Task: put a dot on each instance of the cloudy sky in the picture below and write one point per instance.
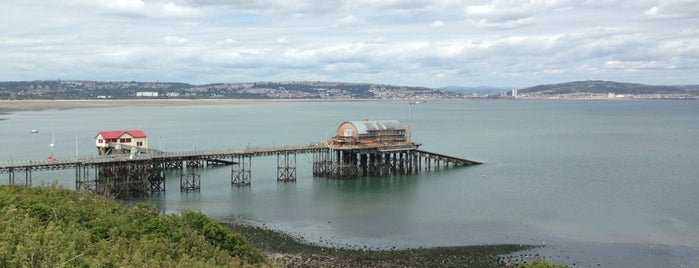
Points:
(410, 42)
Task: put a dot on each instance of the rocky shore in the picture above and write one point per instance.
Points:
(290, 252)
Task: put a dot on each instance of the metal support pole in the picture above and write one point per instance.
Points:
(286, 166)
(28, 176)
(11, 173)
(190, 182)
(241, 173)
(156, 176)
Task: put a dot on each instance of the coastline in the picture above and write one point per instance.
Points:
(23, 105)
(77, 104)
(291, 252)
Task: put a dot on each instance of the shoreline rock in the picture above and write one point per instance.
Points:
(290, 252)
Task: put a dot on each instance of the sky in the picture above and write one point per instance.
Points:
(411, 42)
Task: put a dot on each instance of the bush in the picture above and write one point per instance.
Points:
(53, 227)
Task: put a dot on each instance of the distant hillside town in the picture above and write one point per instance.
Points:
(606, 90)
(76, 89)
(71, 89)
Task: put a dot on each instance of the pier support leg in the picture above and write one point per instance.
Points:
(321, 163)
(28, 176)
(83, 180)
(386, 165)
(156, 177)
(123, 179)
(240, 173)
(11, 179)
(286, 167)
(190, 181)
(416, 162)
(363, 163)
(190, 178)
(374, 165)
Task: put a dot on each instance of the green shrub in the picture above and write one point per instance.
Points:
(53, 227)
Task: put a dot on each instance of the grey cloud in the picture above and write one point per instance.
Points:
(202, 41)
(676, 9)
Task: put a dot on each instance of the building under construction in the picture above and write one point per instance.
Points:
(368, 148)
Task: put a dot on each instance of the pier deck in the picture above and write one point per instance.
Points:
(124, 176)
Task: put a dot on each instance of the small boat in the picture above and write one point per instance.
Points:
(34, 131)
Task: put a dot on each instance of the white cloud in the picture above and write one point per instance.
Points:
(631, 65)
(437, 23)
(344, 67)
(174, 40)
(480, 10)
(674, 9)
(175, 10)
(653, 11)
(227, 41)
(126, 4)
(507, 24)
(281, 40)
(119, 7)
(511, 14)
(349, 20)
(388, 41)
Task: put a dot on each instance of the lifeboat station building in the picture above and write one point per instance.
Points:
(372, 133)
(116, 141)
(368, 148)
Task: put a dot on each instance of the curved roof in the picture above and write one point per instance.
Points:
(363, 127)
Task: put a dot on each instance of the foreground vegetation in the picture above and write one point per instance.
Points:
(52, 227)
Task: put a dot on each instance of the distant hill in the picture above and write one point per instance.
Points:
(73, 89)
(77, 89)
(480, 90)
(603, 87)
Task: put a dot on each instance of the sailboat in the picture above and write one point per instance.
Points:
(52, 145)
(53, 141)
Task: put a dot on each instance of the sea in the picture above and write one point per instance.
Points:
(593, 182)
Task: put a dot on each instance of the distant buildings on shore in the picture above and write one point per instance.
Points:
(69, 89)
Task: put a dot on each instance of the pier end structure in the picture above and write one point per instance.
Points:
(368, 148)
(377, 148)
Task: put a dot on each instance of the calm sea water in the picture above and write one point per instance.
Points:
(614, 183)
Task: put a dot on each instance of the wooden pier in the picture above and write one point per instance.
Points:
(357, 151)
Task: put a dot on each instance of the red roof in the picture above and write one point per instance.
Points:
(118, 133)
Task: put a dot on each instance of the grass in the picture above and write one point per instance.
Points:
(54, 227)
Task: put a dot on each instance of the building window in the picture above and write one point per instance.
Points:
(125, 140)
(100, 141)
(139, 143)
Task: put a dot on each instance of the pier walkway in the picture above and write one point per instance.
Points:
(123, 175)
(66, 163)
